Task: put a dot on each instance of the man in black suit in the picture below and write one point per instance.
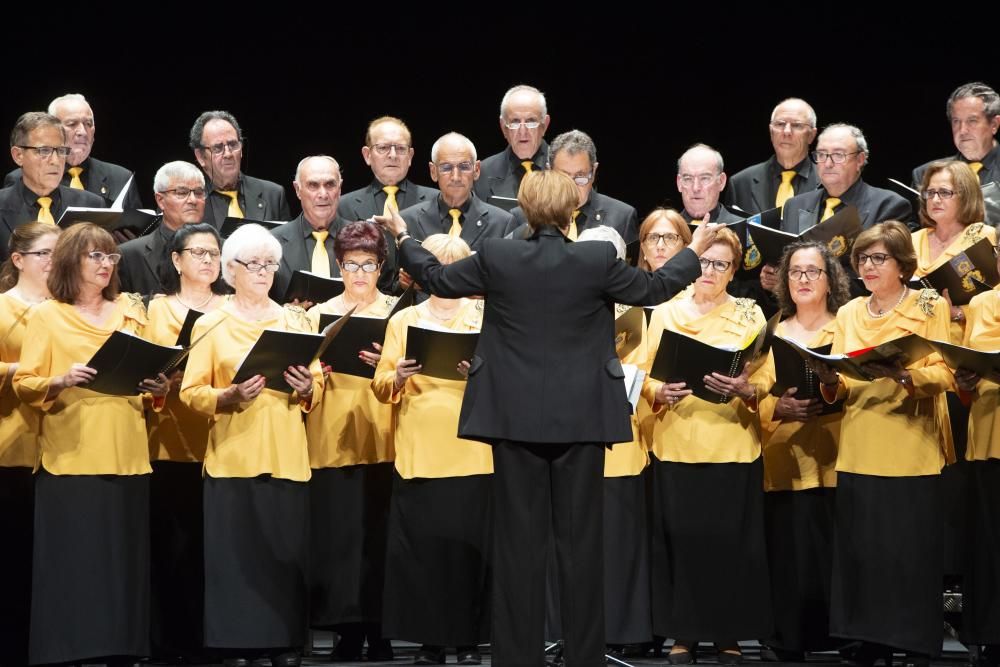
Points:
(523, 122)
(179, 190)
(701, 178)
(788, 172)
(84, 172)
(974, 113)
(545, 389)
(574, 154)
(38, 146)
(217, 142)
(307, 241)
(388, 150)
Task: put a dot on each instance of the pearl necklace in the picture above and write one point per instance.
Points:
(883, 313)
(441, 318)
(199, 306)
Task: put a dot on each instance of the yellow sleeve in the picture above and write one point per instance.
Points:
(764, 380)
(34, 373)
(384, 382)
(197, 389)
(933, 376)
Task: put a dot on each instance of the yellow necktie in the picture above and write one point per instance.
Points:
(234, 204)
(571, 232)
(44, 212)
(785, 190)
(390, 198)
(528, 166)
(976, 166)
(321, 258)
(456, 226)
(831, 203)
(75, 182)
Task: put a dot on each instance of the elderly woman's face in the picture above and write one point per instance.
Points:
(717, 268)
(97, 267)
(198, 261)
(878, 269)
(254, 273)
(360, 271)
(942, 209)
(661, 243)
(808, 283)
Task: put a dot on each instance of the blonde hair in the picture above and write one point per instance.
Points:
(446, 248)
(548, 198)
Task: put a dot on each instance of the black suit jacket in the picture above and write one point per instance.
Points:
(482, 221)
(545, 368)
(141, 262)
(101, 178)
(259, 199)
(989, 172)
(14, 211)
(296, 251)
(874, 205)
(755, 188)
(599, 210)
(501, 174)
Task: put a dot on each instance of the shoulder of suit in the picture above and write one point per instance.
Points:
(72, 197)
(607, 202)
(749, 172)
(494, 163)
(426, 192)
(495, 212)
(260, 184)
(113, 170)
(136, 245)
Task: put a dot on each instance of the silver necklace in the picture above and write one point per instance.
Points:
(200, 305)
(883, 313)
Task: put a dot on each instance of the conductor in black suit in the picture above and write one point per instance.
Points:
(545, 389)
(574, 154)
(785, 174)
(38, 146)
(307, 241)
(217, 141)
(179, 190)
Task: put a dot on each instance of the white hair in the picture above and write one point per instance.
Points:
(604, 233)
(246, 241)
(811, 114)
(452, 135)
(298, 168)
(854, 131)
(178, 170)
(68, 97)
(505, 102)
(716, 154)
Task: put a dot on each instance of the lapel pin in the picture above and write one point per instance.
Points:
(104, 189)
(260, 204)
(479, 223)
(598, 217)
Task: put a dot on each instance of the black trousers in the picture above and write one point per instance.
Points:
(538, 487)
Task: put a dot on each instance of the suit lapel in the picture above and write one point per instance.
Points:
(475, 222)
(759, 195)
(808, 217)
(153, 255)
(255, 203)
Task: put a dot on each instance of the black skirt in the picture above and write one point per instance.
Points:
(799, 528)
(955, 484)
(709, 565)
(177, 571)
(90, 576)
(350, 516)
(887, 564)
(17, 503)
(437, 578)
(981, 593)
(256, 562)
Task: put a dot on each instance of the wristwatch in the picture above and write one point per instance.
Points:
(403, 235)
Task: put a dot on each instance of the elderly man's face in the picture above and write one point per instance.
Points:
(700, 182)
(318, 189)
(578, 167)
(390, 153)
(78, 119)
(791, 133)
(972, 131)
(41, 175)
(524, 107)
(834, 144)
(221, 155)
(182, 202)
(454, 172)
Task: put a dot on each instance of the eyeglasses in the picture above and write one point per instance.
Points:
(779, 126)
(184, 193)
(812, 273)
(385, 149)
(516, 125)
(98, 257)
(463, 167)
(201, 253)
(218, 149)
(838, 158)
(352, 267)
(719, 265)
(942, 193)
(669, 239)
(704, 180)
(256, 267)
(40, 254)
(877, 258)
(581, 179)
(46, 151)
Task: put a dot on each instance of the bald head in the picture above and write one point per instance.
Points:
(700, 179)
(454, 168)
(793, 129)
(317, 185)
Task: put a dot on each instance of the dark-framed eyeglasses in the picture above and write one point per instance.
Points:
(877, 258)
(943, 193)
(46, 151)
(810, 274)
(201, 253)
(718, 265)
(218, 149)
(184, 193)
(838, 157)
(352, 267)
(669, 239)
(257, 267)
(40, 254)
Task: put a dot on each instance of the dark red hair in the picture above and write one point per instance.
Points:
(361, 237)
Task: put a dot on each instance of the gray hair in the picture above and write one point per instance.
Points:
(248, 239)
(30, 121)
(811, 113)
(178, 170)
(68, 97)
(715, 153)
(573, 142)
(452, 135)
(856, 134)
(991, 100)
(505, 102)
(298, 167)
(604, 233)
(198, 129)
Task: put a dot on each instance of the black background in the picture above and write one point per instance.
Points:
(645, 83)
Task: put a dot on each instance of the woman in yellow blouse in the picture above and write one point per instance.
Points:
(22, 283)
(178, 437)
(256, 501)
(710, 576)
(437, 576)
(90, 574)
(800, 456)
(894, 441)
(351, 453)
